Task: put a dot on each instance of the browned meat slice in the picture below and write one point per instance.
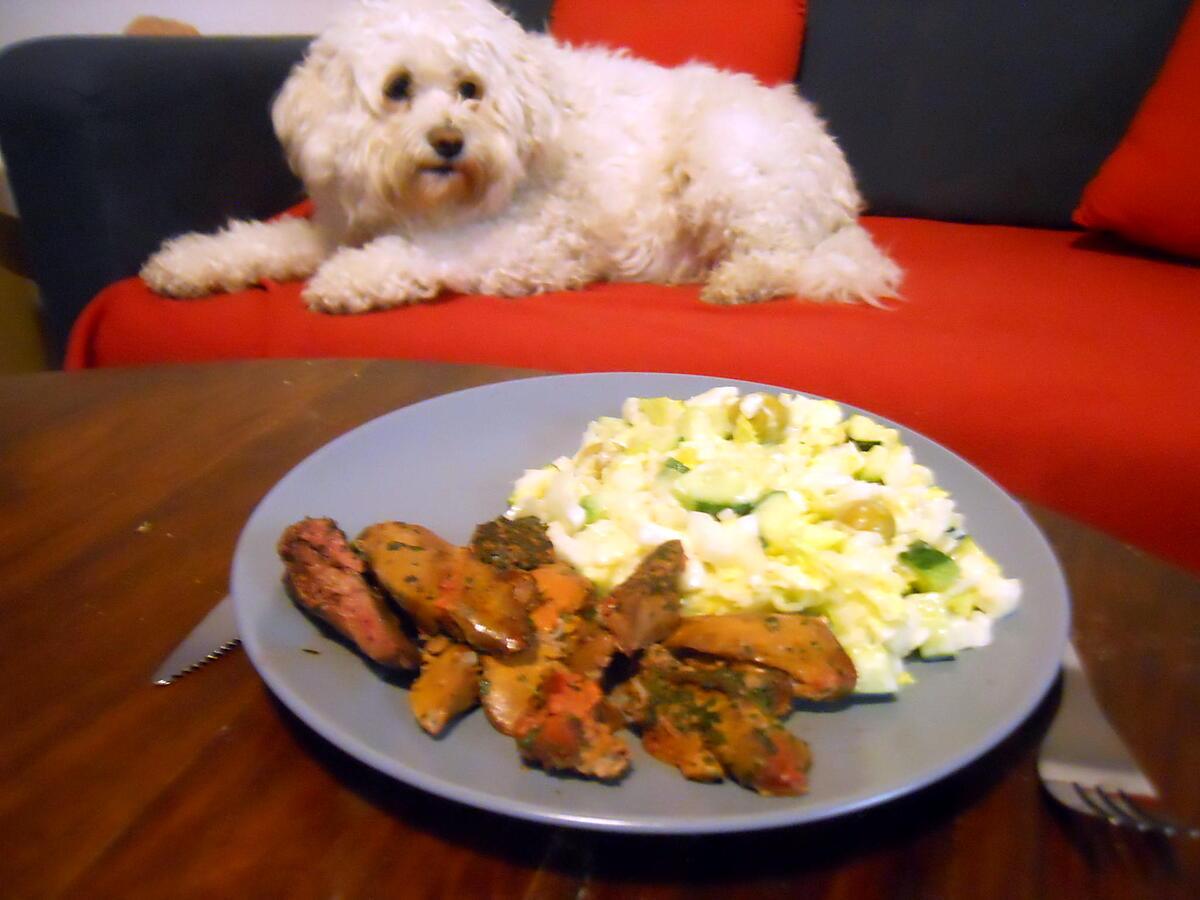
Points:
(801, 646)
(568, 729)
(754, 748)
(410, 563)
(513, 543)
(769, 689)
(511, 682)
(448, 684)
(509, 685)
(562, 590)
(644, 608)
(568, 613)
(490, 608)
(705, 733)
(631, 698)
(678, 729)
(447, 590)
(684, 750)
(589, 647)
(710, 719)
(325, 577)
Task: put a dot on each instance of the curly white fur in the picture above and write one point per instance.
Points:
(575, 165)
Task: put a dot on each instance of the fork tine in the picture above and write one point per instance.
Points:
(1164, 823)
(1131, 812)
(1111, 814)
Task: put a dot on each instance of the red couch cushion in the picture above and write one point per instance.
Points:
(1148, 190)
(1062, 367)
(764, 38)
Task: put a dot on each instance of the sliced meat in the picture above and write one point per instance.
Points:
(562, 590)
(410, 562)
(705, 732)
(568, 613)
(513, 543)
(801, 646)
(588, 647)
(490, 608)
(675, 733)
(448, 684)
(754, 748)
(631, 699)
(508, 687)
(447, 590)
(770, 689)
(510, 682)
(710, 719)
(644, 608)
(568, 729)
(324, 576)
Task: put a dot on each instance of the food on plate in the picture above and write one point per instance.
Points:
(564, 669)
(512, 543)
(447, 589)
(644, 608)
(708, 720)
(564, 728)
(325, 577)
(800, 646)
(781, 504)
(448, 684)
(408, 562)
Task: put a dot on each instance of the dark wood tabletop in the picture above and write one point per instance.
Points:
(123, 493)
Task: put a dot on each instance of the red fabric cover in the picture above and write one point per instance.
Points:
(1065, 370)
(1148, 190)
(764, 38)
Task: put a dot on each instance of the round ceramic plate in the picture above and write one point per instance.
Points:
(450, 462)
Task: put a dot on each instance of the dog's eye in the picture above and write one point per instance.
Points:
(469, 90)
(398, 87)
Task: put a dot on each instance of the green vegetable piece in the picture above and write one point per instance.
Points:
(706, 506)
(675, 465)
(592, 509)
(932, 570)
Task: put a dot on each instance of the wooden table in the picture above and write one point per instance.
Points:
(123, 493)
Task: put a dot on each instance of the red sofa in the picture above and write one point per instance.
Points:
(1061, 364)
(1058, 359)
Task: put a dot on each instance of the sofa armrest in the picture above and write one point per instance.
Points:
(114, 143)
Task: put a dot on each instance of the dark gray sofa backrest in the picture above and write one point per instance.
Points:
(948, 109)
(995, 111)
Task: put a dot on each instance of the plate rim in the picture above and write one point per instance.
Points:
(644, 824)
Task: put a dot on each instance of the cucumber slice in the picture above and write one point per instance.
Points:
(932, 570)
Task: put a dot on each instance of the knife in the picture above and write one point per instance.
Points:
(215, 636)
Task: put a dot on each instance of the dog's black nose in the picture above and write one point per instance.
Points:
(448, 149)
(447, 142)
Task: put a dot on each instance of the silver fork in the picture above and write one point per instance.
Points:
(1084, 764)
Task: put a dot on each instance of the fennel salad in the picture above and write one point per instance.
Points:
(782, 503)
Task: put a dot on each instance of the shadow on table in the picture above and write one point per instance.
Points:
(782, 852)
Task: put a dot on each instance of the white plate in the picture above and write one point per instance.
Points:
(450, 462)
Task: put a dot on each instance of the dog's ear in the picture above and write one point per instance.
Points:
(303, 109)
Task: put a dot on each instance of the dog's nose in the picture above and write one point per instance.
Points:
(447, 141)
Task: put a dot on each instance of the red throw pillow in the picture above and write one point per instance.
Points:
(1148, 190)
(761, 37)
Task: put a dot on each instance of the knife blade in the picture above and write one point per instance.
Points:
(215, 636)
(1082, 747)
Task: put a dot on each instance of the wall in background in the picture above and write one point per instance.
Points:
(22, 19)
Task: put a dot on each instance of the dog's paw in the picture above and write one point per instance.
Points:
(193, 266)
(356, 281)
(744, 280)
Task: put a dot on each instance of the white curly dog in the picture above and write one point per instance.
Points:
(447, 149)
